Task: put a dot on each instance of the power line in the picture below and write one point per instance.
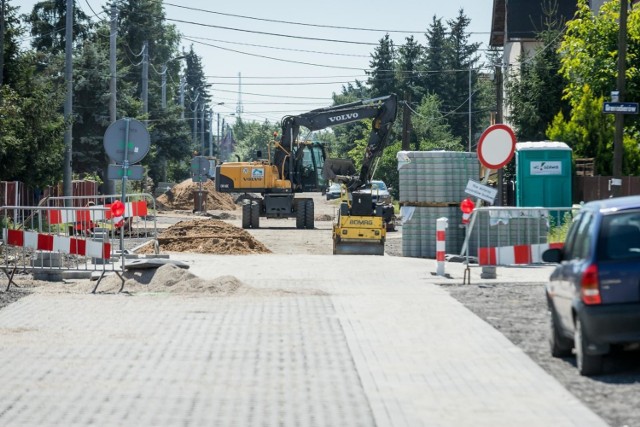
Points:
(271, 34)
(378, 30)
(275, 96)
(273, 58)
(278, 48)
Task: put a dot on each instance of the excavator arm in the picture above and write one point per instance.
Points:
(382, 110)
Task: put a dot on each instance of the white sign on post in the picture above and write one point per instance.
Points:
(484, 192)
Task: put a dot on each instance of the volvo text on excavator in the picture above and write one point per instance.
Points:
(295, 167)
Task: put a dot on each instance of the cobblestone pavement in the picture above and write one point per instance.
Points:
(381, 346)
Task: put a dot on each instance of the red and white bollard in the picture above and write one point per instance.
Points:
(441, 225)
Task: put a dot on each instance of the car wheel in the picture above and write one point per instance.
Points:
(560, 345)
(588, 364)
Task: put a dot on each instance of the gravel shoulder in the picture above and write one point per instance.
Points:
(518, 310)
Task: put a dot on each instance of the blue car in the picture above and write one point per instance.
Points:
(594, 293)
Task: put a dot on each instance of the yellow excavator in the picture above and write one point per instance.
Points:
(296, 167)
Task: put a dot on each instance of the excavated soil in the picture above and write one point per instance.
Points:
(207, 236)
(181, 197)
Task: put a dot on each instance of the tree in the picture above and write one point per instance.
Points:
(48, 21)
(13, 32)
(462, 58)
(590, 134)
(347, 134)
(431, 128)
(252, 137)
(534, 91)
(435, 60)
(589, 52)
(31, 129)
(408, 71)
(382, 77)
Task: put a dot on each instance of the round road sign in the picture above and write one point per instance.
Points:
(137, 146)
(496, 146)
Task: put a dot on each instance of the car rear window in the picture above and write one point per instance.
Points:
(620, 236)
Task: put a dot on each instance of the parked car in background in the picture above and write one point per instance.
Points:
(594, 293)
(333, 192)
(379, 192)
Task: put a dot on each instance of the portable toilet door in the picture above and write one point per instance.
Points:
(543, 174)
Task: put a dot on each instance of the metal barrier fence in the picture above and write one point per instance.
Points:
(515, 235)
(50, 239)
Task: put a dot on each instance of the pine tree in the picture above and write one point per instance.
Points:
(435, 60)
(382, 79)
(461, 57)
(48, 21)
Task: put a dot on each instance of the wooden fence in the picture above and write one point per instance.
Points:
(588, 188)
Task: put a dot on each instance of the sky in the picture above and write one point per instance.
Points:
(273, 68)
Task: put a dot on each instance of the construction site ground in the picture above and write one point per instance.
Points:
(288, 334)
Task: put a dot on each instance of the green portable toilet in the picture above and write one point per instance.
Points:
(543, 174)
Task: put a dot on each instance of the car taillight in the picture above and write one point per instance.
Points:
(589, 287)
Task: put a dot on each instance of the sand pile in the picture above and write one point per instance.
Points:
(207, 236)
(172, 279)
(181, 197)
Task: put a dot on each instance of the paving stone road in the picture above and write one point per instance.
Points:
(381, 345)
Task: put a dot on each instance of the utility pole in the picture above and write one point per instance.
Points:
(1, 41)
(111, 184)
(195, 120)
(210, 131)
(218, 138)
(145, 79)
(618, 147)
(164, 86)
(406, 122)
(183, 82)
(204, 147)
(499, 98)
(67, 175)
(470, 96)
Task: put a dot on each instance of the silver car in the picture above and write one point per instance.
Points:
(379, 192)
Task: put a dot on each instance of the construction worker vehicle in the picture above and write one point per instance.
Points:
(296, 167)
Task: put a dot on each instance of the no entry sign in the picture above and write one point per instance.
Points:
(496, 146)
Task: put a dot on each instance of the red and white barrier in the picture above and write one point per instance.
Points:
(53, 243)
(95, 213)
(441, 227)
(517, 254)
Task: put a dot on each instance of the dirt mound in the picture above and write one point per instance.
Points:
(323, 217)
(181, 197)
(208, 236)
(170, 278)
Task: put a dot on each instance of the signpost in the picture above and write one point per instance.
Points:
(199, 173)
(620, 108)
(496, 148)
(481, 191)
(126, 141)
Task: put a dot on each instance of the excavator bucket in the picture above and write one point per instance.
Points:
(358, 248)
(335, 167)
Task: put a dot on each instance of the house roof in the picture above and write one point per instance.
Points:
(525, 20)
(497, 23)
